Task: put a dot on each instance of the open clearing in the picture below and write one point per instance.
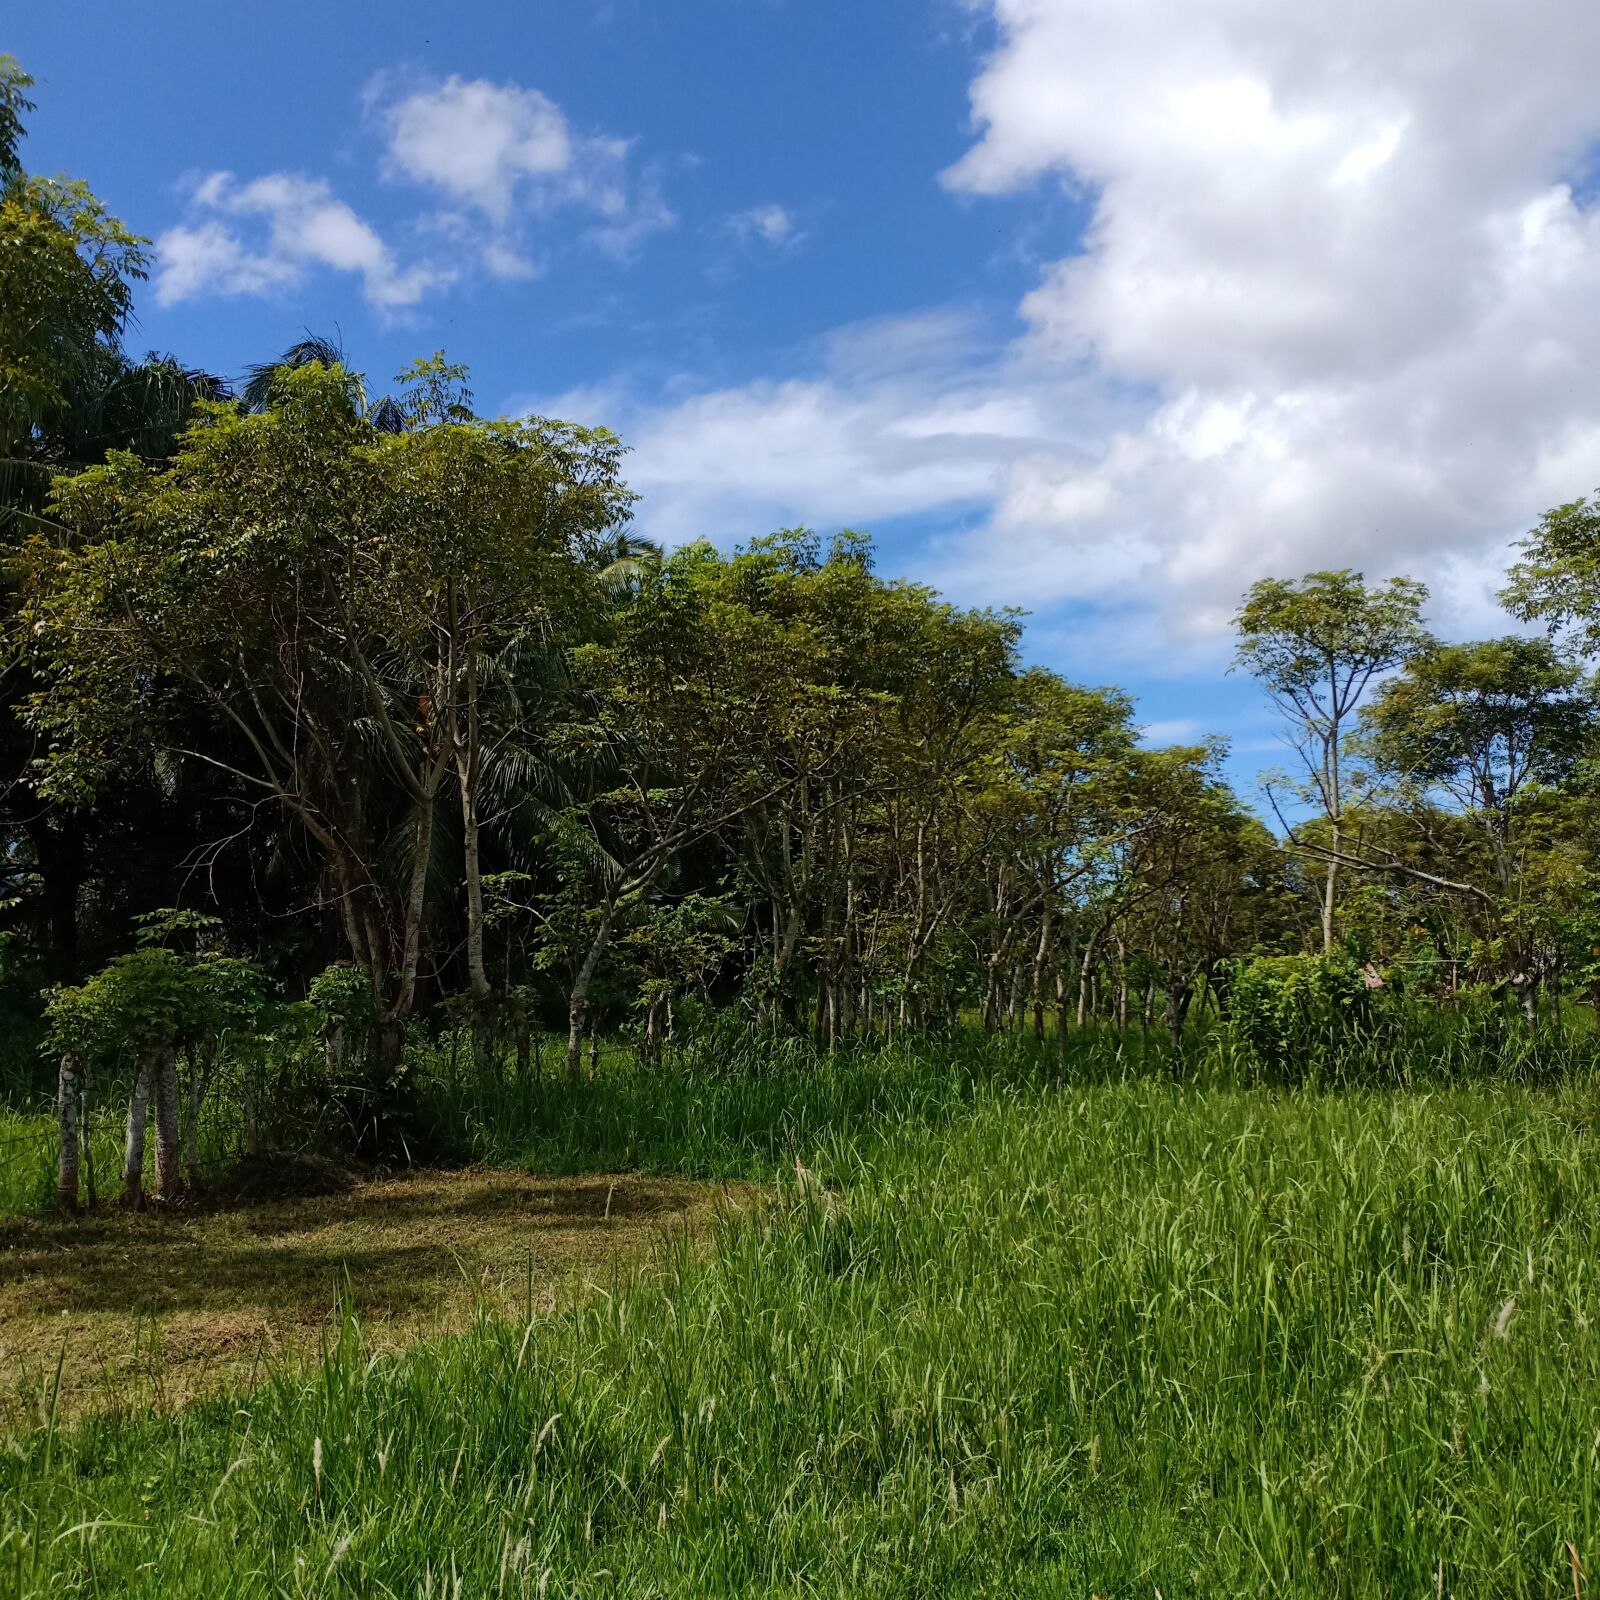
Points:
(163, 1307)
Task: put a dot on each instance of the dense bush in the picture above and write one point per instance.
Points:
(1293, 1013)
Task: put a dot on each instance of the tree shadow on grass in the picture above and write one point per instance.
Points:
(217, 1283)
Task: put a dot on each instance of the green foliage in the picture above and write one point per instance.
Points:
(142, 998)
(155, 995)
(1328, 634)
(67, 271)
(14, 106)
(1294, 1013)
(1557, 581)
(1484, 719)
(342, 992)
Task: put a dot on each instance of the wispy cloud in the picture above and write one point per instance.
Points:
(277, 228)
(510, 154)
(504, 157)
(769, 226)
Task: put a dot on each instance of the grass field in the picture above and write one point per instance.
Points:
(124, 1308)
(1034, 1338)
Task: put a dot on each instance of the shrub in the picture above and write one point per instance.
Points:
(1291, 1012)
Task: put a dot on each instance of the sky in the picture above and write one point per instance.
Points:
(1102, 309)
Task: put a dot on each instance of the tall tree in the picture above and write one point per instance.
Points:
(67, 272)
(318, 587)
(1317, 645)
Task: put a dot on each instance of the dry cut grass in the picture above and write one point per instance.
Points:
(162, 1307)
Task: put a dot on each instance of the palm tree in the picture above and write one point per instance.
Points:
(386, 414)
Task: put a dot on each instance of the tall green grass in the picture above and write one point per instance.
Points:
(736, 1104)
(1039, 1336)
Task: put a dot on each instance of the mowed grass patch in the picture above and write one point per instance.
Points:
(120, 1309)
(1105, 1339)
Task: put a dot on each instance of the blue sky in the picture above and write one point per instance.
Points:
(1098, 311)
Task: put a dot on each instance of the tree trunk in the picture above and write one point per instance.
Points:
(578, 998)
(1177, 1009)
(652, 1030)
(85, 1132)
(68, 1110)
(577, 1016)
(1084, 969)
(483, 1053)
(1036, 976)
(467, 757)
(1525, 985)
(391, 1044)
(169, 1166)
(133, 1144)
(198, 1080)
(252, 1115)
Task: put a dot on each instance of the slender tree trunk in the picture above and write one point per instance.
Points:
(652, 1030)
(1036, 977)
(85, 1131)
(169, 1163)
(133, 1144)
(392, 1021)
(251, 1087)
(68, 1109)
(1084, 969)
(578, 997)
(468, 762)
(1179, 995)
(190, 1133)
(1333, 795)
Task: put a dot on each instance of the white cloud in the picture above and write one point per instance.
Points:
(769, 225)
(300, 224)
(477, 141)
(1338, 303)
(630, 219)
(510, 153)
(208, 259)
(500, 154)
(891, 417)
(504, 262)
(1340, 248)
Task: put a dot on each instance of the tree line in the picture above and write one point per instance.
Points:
(392, 703)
